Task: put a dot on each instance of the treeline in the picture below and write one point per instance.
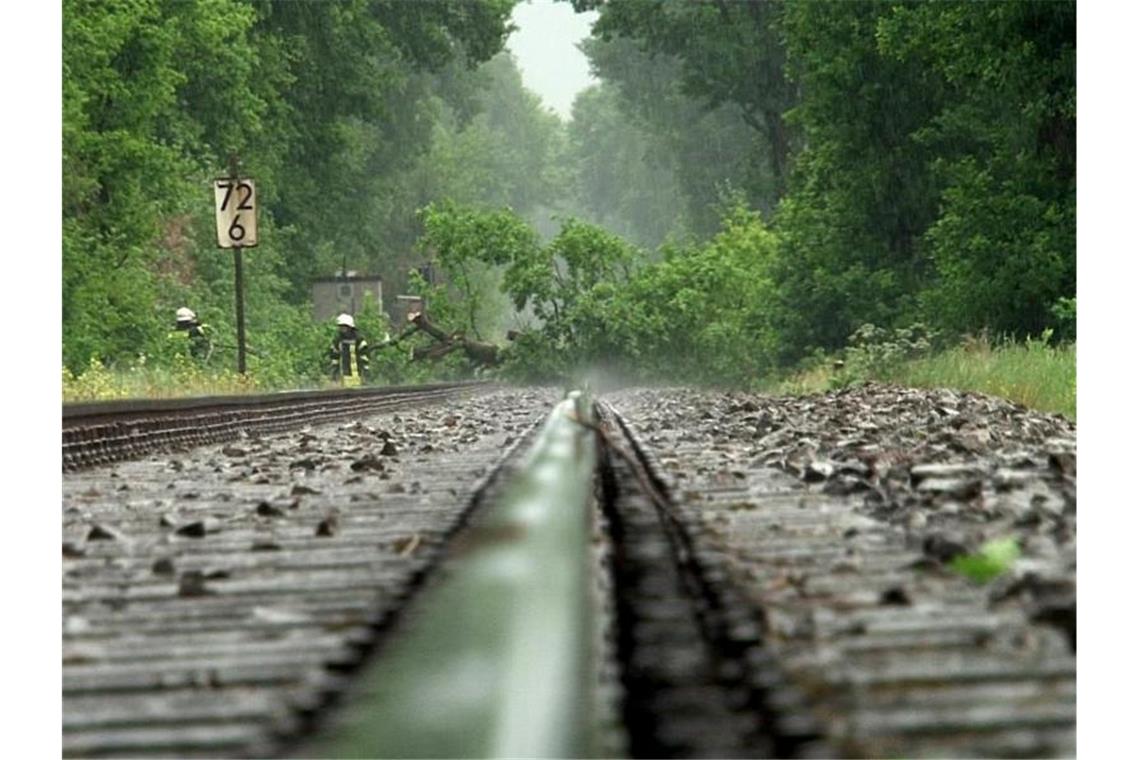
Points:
(350, 115)
(748, 183)
(785, 173)
(915, 161)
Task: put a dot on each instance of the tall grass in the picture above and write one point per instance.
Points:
(141, 380)
(1032, 373)
(183, 377)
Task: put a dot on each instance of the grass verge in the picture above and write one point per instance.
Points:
(1031, 373)
(184, 379)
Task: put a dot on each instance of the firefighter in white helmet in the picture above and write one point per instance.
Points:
(191, 336)
(348, 355)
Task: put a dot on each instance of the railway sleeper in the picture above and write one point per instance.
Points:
(680, 665)
(696, 678)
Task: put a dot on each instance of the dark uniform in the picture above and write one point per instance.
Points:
(193, 338)
(348, 357)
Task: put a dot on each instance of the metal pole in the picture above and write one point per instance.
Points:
(239, 300)
(239, 282)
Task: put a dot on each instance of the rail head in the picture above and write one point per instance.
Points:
(495, 657)
(104, 412)
(95, 434)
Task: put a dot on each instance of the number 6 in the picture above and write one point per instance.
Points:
(236, 231)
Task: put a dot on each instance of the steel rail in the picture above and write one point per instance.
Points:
(100, 433)
(495, 658)
(92, 411)
(245, 664)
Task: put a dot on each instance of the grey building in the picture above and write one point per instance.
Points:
(345, 294)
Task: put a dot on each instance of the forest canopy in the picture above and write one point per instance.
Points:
(746, 185)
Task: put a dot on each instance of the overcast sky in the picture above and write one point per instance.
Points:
(544, 47)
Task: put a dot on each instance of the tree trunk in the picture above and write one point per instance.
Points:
(487, 354)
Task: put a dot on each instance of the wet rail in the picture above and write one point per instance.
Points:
(105, 432)
(263, 595)
(497, 658)
(215, 600)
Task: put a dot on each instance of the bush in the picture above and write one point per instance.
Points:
(876, 353)
(1064, 313)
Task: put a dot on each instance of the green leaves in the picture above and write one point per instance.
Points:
(703, 314)
(458, 234)
(939, 179)
(1003, 253)
(993, 559)
(328, 105)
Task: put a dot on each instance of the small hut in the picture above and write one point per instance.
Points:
(344, 293)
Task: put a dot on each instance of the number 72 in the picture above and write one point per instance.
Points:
(235, 204)
(241, 186)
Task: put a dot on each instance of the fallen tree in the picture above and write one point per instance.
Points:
(479, 352)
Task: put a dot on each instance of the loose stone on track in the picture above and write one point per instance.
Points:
(207, 613)
(827, 513)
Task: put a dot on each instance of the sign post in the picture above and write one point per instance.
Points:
(235, 214)
(239, 307)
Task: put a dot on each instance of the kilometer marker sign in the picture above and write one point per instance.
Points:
(235, 212)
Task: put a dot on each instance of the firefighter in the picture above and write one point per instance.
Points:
(348, 354)
(192, 337)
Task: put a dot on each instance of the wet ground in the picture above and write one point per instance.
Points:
(205, 592)
(848, 522)
(213, 599)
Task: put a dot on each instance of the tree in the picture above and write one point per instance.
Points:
(938, 175)
(468, 244)
(729, 54)
(621, 180)
(140, 124)
(1004, 245)
(703, 314)
(861, 193)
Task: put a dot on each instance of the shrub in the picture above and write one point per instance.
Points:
(877, 352)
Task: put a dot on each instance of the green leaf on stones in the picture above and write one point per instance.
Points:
(993, 559)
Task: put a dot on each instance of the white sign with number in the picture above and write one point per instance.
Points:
(235, 207)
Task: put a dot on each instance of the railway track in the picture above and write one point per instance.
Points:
(856, 640)
(215, 598)
(105, 432)
(261, 595)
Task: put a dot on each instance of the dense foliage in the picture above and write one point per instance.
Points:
(939, 174)
(923, 154)
(746, 187)
(700, 313)
(332, 107)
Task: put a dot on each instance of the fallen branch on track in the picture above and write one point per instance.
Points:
(479, 352)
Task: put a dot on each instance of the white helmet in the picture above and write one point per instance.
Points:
(184, 315)
(346, 319)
